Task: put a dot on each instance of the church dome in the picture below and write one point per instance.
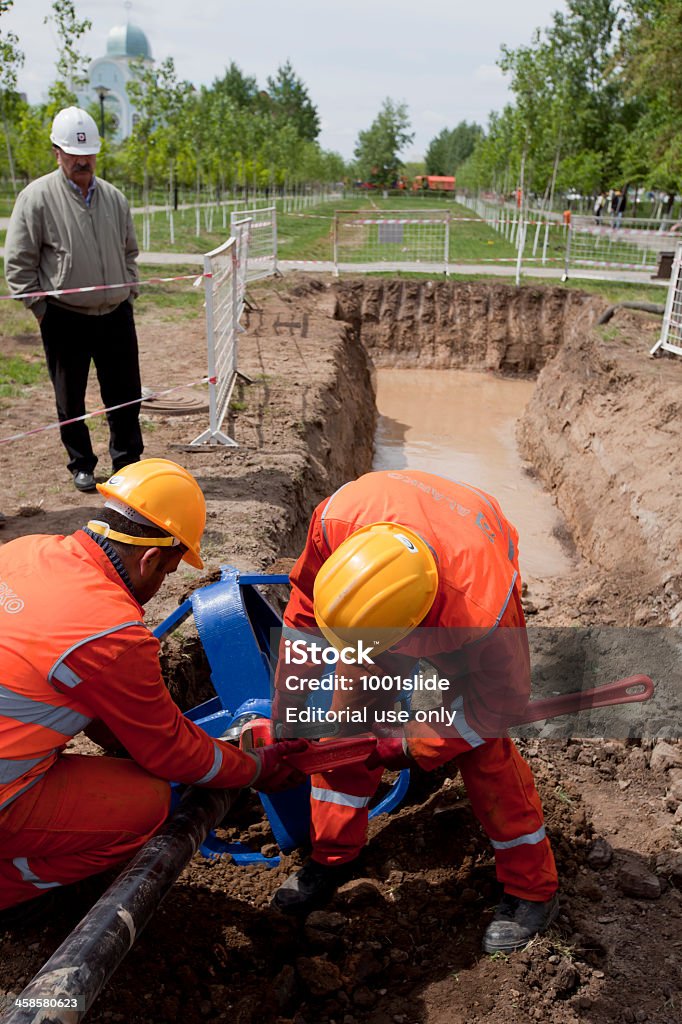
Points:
(128, 41)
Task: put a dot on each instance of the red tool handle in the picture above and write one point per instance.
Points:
(321, 757)
(622, 691)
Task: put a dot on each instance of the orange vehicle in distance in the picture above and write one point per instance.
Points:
(434, 183)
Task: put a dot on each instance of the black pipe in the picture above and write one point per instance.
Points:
(76, 973)
(645, 307)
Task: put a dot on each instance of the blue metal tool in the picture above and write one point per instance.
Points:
(235, 623)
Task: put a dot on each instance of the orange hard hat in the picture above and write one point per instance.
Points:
(166, 495)
(381, 581)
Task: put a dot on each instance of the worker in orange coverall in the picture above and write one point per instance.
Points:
(387, 553)
(74, 653)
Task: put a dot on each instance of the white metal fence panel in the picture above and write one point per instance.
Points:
(221, 291)
(392, 236)
(539, 236)
(671, 335)
(627, 248)
(262, 255)
(241, 232)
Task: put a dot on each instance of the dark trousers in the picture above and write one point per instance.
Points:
(71, 341)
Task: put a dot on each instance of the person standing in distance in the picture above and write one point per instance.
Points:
(71, 230)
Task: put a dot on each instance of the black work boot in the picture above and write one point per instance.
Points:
(516, 921)
(311, 887)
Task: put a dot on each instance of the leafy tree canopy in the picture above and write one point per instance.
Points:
(290, 103)
(378, 149)
(451, 147)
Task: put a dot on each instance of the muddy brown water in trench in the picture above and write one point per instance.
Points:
(462, 425)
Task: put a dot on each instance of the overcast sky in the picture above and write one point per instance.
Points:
(438, 56)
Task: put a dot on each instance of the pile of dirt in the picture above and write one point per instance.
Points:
(402, 943)
(602, 431)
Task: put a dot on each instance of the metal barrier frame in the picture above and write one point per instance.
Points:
(262, 254)
(672, 318)
(241, 231)
(221, 338)
(440, 216)
(639, 249)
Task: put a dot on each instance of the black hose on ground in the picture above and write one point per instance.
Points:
(645, 307)
(67, 985)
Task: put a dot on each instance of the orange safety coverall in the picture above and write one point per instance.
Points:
(479, 590)
(74, 650)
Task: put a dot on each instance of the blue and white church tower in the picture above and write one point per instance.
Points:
(109, 75)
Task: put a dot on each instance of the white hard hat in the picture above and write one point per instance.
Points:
(74, 131)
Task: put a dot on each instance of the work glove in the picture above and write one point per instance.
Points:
(389, 753)
(273, 773)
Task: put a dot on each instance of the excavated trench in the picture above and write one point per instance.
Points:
(598, 433)
(337, 337)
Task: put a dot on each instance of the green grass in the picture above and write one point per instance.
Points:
(309, 235)
(172, 298)
(17, 373)
(15, 319)
(306, 236)
(612, 291)
(186, 239)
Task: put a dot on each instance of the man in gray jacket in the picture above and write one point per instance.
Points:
(71, 230)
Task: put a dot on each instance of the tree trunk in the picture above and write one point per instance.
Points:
(10, 157)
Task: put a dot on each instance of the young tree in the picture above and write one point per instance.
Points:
(11, 59)
(159, 100)
(71, 64)
(570, 110)
(236, 87)
(289, 101)
(32, 150)
(651, 56)
(378, 149)
(451, 147)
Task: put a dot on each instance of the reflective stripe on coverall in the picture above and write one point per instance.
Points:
(480, 588)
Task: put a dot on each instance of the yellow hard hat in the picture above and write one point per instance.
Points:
(382, 580)
(166, 495)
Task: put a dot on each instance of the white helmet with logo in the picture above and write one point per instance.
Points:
(75, 132)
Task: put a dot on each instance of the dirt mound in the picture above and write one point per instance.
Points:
(602, 431)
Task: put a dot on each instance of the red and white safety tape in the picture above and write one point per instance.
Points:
(103, 411)
(453, 220)
(105, 287)
(586, 261)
